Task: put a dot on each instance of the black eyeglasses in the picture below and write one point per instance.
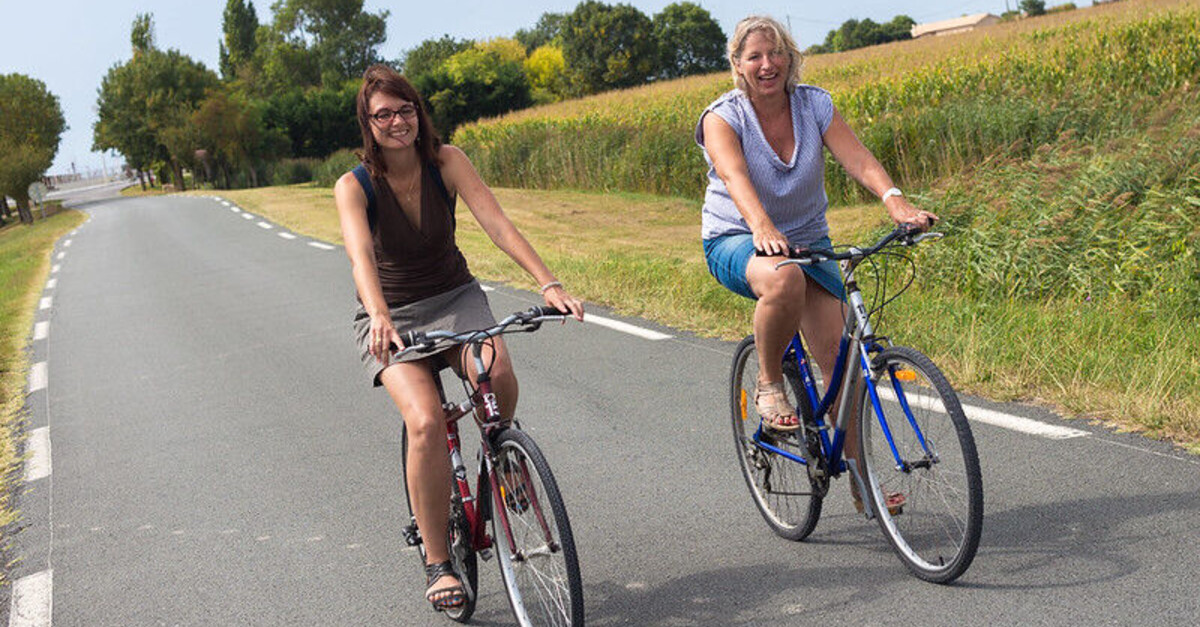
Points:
(385, 116)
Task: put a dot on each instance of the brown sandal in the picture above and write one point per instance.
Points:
(895, 502)
(771, 402)
(446, 597)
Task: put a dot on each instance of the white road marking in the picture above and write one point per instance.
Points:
(487, 288)
(51, 284)
(45, 302)
(226, 203)
(235, 209)
(60, 256)
(625, 327)
(287, 235)
(38, 377)
(996, 418)
(67, 243)
(41, 330)
(32, 600)
(55, 268)
(321, 246)
(247, 216)
(38, 447)
(265, 225)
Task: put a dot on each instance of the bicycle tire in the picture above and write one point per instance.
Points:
(541, 577)
(458, 538)
(787, 495)
(936, 531)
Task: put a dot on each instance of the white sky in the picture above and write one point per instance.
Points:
(71, 44)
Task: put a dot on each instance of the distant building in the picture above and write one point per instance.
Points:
(956, 25)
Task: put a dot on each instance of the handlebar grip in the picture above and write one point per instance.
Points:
(542, 310)
(794, 252)
(413, 338)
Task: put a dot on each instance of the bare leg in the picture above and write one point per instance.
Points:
(412, 388)
(781, 296)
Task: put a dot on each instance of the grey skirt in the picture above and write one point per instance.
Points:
(464, 308)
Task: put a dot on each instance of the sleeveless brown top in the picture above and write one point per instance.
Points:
(413, 263)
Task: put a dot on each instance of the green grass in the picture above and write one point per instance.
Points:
(24, 266)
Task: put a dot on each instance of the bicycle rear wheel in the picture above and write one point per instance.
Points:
(532, 535)
(458, 539)
(787, 493)
(936, 529)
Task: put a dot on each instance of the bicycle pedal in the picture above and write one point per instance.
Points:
(412, 536)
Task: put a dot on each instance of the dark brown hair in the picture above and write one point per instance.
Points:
(381, 78)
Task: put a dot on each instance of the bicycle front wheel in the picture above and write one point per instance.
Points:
(921, 467)
(532, 534)
(458, 540)
(785, 492)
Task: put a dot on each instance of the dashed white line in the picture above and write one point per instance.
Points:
(51, 284)
(60, 256)
(487, 288)
(55, 268)
(235, 209)
(38, 447)
(625, 327)
(265, 225)
(287, 235)
(226, 203)
(32, 600)
(996, 418)
(321, 246)
(41, 330)
(45, 302)
(38, 376)
(247, 216)
(67, 242)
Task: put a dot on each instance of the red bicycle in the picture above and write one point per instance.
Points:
(530, 531)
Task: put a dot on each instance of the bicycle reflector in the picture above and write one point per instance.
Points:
(742, 403)
(904, 374)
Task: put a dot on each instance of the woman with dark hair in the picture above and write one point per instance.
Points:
(397, 219)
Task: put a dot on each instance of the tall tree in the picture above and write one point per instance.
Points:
(547, 73)
(608, 46)
(430, 54)
(1033, 7)
(238, 43)
(139, 101)
(689, 40)
(545, 32)
(484, 80)
(343, 37)
(31, 125)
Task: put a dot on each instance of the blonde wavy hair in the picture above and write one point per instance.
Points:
(783, 41)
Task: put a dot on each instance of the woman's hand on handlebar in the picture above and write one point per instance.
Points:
(384, 339)
(903, 212)
(769, 240)
(558, 298)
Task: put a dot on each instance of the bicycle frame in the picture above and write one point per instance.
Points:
(491, 422)
(857, 338)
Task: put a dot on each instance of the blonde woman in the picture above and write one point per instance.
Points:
(764, 142)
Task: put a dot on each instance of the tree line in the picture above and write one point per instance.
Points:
(284, 95)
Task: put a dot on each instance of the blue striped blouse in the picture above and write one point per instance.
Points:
(792, 193)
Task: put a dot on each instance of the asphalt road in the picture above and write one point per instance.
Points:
(218, 458)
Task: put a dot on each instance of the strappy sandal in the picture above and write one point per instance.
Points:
(770, 400)
(895, 502)
(446, 597)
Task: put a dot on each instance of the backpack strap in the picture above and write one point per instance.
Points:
(364, 179)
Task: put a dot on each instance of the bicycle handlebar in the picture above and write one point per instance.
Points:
(907, 234)
(530, 320)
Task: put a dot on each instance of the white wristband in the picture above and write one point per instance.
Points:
(549, 285)
(895, 191)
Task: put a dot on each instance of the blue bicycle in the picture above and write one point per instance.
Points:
(918, 465)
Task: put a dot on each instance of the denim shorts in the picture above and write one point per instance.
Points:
(729, 255)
